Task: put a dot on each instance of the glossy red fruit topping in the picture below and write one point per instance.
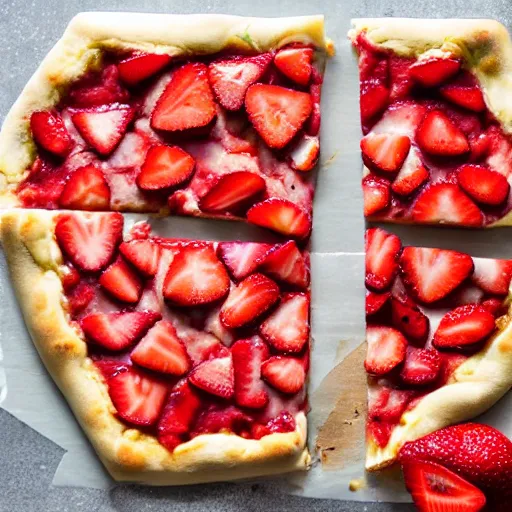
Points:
(431, 274)
(412, 175)
(421, 366)
(247, 301)
(304, 154)
(465, 325)
(232, 191)
(286, 374)
(446, 203)
(86, 189)
(375, 302)
(295, 64)
(80, 297)
(162, 351)
(385, 151)
(241, 259)
(121, 282)
(69, 276)
(376, 194)
(248, 356)
(287, 328)
(493, 276)
(117, 331)
(386, 349)
(89, 240)
(103, 128)
(138, 398)
(286, 264)
(407, 317)
(144, 255)
(165, 167)
(187, 101)
(464, 96)
(50, 133)
(195, 277)
(435, 488)
(139, 66)
(434, 71)
(221, 419)
(215, 376)
(438, 135)
(382, 253)
(230, 78)
(282, 216)
(484, 185)
(373, 100)
(276, 112)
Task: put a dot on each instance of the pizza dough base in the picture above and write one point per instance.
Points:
(34, 259)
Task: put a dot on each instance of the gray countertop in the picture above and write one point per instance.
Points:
(28, 29)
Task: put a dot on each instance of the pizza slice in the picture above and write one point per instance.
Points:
(184, 361)
(437, 146)
(207, 115)
(439, 340)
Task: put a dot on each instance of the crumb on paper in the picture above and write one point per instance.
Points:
(330, 160)
(357, 484)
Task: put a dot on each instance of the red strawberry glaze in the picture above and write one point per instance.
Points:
(113, 116)
(173, 358)
(443, 304)
(439, 106)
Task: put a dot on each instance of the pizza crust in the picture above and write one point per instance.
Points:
(34, 260)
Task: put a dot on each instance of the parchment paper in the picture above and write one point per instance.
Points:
(337, 387)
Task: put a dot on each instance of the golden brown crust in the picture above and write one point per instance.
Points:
(34, 259)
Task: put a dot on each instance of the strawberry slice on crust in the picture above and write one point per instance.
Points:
(80, 297)
(433, 72)
(382, 253)
(484, 185)
(121, 282)
(117, 331)
(295, 64)
(411, 176)
(230, 78)
(195, 277)
(215, 376)
(385, 151)
(421, 366)
(373, 100)
(286, 374)
(86, 189)
(144, 255)
(187, 101)
(492, 276)
(376, 194)
(89, 240)
(375, 302)
(387, 348)
(180, 410)
(276, 112)
(50, 133)
(304, 154)
(408, 318)
(464, 96)
(242, 259)
(139, 66)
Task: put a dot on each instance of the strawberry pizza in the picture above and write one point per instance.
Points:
(210, 116)
(436, 121)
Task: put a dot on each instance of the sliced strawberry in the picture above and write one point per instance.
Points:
(248, 355)
(162, 351)
(469, 97)
(451, 361)
(492, 276)
(103, 128)
(376, 194)
(117, 331)
(375, 302)
(50, 133)
(80, 297)
(230, 78)
(295, 64)
(276, 112)
(304, 154)
(382, 252)
(431, 274)
(215, 376)
(483, 185)
(282, 216)
(187, 101)
(494, 306)
(286, 374)
(251, 298)
(144, 255)
(421, 366)
(195, 277)
(69, 276)
(242, 258)
(409, 319)
(411, 176)
(438, 135)
(386, 349)
(463, 326)
(120, 281)
(445, 203)
(479, 146)
(433, 71)
(435, 488)
(219, 418)
(165, 167)
(86, 189)
(385, 151)
(233, 191)
(140, 66)
(286, 264)
(138, 398)
(373, 100)
(89, 240)
(287, 328)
